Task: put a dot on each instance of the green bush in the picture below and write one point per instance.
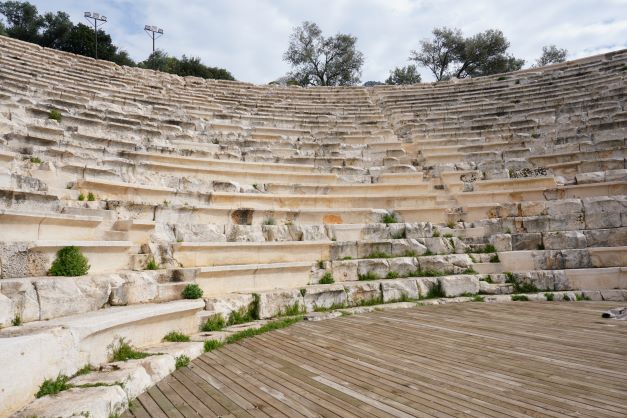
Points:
(269, 221)
(378, 254)
(478, 298)
(211, 345)
(69, 262)
(435, 234)
(122, 350)
(549, 296)
(435, 291)
(152, 265)
(36, 160)
(81, 197)
(192, 291)
(176, 337)
(495, 258)
(54, 115)
(17, 320)
(391, 275)
(327, 278)
(240, 316)
(91, 197)
(52, 386)
(182, 361)
(371, 275)
(214, 323)
(488, 279)
(292, 310)
(520, 298)
(389, 218)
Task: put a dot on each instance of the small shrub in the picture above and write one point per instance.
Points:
(389, 218)
(371, 275)
(581, 296)
(211, 345)
(69, 262)
(303, 291)
(448, 235)
(54, 115)
(17, 320)
(270, 326)
(253, 308)
(86, 369)
(182, 361)
(53, 386)
(566, 298)
(478, 298)
(327, 279)
(214, 323)
(152, 265)
(451, 224)
(240, 316)
(435, 291)
(91, 197)
(176, 337)
(502, 78)
(428, 253)
(320, 264)
(378, 254)
(469, 271)
(292, 310)
(549, 296)
(166, 203)
(427, 273)
(520, 298)
(495, 258)
(489, 249)
(81, 197)
(488, 279)
(377, 300)
(399, 235)
(435, 234)
(122, 350)
(391, 275)
(348, 257)
(540, 246)
(410, 253)
(192, 291)
(35, 160)
(269, 221)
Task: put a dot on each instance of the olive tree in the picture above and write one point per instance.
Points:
(323, 61)
(404, 75)
(551, 55)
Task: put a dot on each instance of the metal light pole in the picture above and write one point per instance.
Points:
(98, 22)
(154, 32)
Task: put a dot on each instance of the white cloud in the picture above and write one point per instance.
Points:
(248, 37)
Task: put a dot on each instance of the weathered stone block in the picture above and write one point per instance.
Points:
(424, 284)
(439, 245)
(458, 285)
(225, 304)
(613, 237)
(404, 266)
(344, 270)
(451, 263)
(272, 302)
(325, 296)
(245, 233)
(393, 290)
(276, 232)
(199, 233)
(419, 230)
(502, 242)
(24, 297)
(61, 296)
(521, 242)
(564, 240)
(401, 248)
(134, 287)
(308, 232)
(602, 212)
(377, 266)
(362, 291)
(341, 250)
(7, 311)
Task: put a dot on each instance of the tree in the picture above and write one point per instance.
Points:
(440, 52)
(323, 61)
(56, 30)
(449, 54)
(404, 75)
(186, 66)
(23, 21)
(551, 55)
(373, 83)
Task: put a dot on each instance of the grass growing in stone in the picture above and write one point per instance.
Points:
(16, 321)
(520, 298)
(581, 296)
(86, 369)
(427, 273)
(487, 249)
(182, 361)
(327, 278)
(392, 275)
(81, 197)
(53, 386)
(435, 234)
(269, 221)
(152, 265)
(292, 310)
(192, 291)
(495, 258)
(435, 291)
(378, 254)
(330, 308)
(549, 296)
(242, 315)
(469, 270)
(566, 298)
(69, 262)
(270, 326)
(36, 160)
(488, 279)
(376, 300)
(410, 253)
(348, 257)
(389, 218)
(122, 350)
(91, 197)
(371, 275)
(176, 337)
(478, 298)
(54, 115)
(519, 286)
(211, 345)
(400, 235)
(214, 323)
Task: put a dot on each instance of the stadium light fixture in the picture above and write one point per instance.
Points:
(154, 32)
(97, 20)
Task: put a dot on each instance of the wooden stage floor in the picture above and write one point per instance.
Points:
(471, 359)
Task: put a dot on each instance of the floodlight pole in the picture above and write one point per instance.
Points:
(154, 32)
(98, 21)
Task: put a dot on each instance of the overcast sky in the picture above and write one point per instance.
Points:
(248, 37)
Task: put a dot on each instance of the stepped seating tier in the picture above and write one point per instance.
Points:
(482, 186)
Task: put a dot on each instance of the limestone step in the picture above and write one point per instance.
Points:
(64, 345)
(20, 225)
